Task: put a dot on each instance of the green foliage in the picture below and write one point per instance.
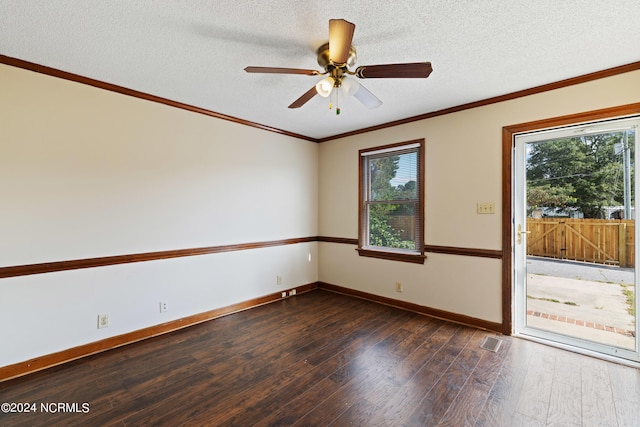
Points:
(583, 172)
(381, 172)
(381, 232)
(631, 299)
(551, 197)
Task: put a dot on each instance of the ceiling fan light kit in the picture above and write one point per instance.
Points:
(335, 57)
(325, 86)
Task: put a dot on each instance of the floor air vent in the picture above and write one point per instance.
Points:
(491, 344)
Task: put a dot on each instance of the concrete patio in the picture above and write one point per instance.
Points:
(581, 300)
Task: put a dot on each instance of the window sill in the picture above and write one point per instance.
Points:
(393, 256)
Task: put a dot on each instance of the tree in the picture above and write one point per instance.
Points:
(583, 172)
(550, 197)
(381, 233)
(382, 171)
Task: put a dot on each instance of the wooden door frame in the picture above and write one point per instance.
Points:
(508, 133)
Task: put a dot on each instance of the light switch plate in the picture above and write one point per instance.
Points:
(486, 208)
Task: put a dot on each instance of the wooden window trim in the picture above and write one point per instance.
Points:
(381, 253)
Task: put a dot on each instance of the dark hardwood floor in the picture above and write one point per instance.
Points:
(324, 359)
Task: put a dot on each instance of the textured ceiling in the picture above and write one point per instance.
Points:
(194, 52)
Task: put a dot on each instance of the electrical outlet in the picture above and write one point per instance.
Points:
(279, 280)
(284, 295)
(399, 287)
(292, 292)
(164, 306)
(103, 321)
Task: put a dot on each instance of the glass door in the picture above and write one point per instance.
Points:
(575, 248)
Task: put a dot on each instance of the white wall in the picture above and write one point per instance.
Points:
(89, 173)
(463, 167)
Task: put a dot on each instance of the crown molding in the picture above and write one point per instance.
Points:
(19, 63)
(54, 72)
(634, 66)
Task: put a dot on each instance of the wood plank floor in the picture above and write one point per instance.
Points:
(324, 359)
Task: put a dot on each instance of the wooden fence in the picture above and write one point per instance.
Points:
(592, 240)
(405, 224)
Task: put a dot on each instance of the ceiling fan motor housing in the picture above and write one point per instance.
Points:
(324, 61)
(336, 71)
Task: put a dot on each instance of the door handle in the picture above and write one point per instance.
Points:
(520, 232)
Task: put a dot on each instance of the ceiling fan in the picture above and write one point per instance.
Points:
(336, 57)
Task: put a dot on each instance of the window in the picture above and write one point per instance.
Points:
(391, 205)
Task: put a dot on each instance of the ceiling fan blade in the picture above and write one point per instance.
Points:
(340, 37)
(304, 98)
(367, 99)
(409, 70)
(276, 70)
